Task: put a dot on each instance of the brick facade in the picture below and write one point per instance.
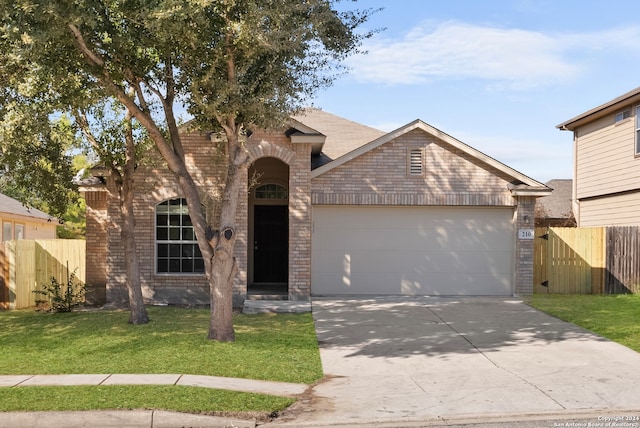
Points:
(380, 177)
(154, 183)
(450, 176)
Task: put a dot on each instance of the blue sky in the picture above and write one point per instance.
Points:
(498, 75)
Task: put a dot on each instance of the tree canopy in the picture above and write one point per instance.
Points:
(233, 64)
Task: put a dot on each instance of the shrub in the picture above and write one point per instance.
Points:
(62, 297)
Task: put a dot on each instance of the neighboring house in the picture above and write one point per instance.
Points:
(556, 209)
(606, 161)
(21, 222)
(338, 208)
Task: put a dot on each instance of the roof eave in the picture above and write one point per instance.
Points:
(538, 192)
(630, 97)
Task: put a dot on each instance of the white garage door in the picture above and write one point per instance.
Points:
(412, 250)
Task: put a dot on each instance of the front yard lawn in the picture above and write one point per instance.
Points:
(612, 316)
(279, 347)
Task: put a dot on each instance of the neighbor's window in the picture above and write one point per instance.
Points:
(623, 115)
(638, 130)
(176, 246)
(7, 231)
(19, 231)
(415, 162)
(271, 191)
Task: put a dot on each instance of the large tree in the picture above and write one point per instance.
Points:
(233, 63)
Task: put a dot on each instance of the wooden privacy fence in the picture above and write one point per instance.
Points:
(603, 260)
(26, 265)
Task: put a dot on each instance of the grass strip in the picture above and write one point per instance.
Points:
(612, 316)
(119, 397)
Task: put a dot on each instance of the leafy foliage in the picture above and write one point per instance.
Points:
(62, 297)
(234, 64)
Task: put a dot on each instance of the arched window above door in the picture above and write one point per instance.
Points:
(271, 191)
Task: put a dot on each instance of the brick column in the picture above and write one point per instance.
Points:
(524, 247)
(300, 224)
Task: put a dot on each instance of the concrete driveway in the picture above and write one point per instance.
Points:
(420, 358)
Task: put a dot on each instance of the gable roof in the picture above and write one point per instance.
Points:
(630, 97)
(11, 206)
(342, 135)
(518, 177)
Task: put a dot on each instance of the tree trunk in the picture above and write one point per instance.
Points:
(136, 302)
(223, 265)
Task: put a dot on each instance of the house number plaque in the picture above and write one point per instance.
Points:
(526, 233)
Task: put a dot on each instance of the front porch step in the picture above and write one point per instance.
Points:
(276, 306)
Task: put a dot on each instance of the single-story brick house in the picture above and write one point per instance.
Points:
(336, 208)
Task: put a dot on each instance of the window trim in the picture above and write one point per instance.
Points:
(169, 242)
(622, 115)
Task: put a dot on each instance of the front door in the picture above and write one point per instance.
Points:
(271, 244)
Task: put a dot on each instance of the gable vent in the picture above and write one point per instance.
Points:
(415, 162)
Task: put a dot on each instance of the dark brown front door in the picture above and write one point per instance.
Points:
(271, 244)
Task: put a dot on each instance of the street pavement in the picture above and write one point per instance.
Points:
(394, 362)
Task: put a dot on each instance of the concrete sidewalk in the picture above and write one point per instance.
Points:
(233, 384)
(137, 418)
(118, 419)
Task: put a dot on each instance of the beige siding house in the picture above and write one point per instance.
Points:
(606, 189)
(21, 222)
(336, 208)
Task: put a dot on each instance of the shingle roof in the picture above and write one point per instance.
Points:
(558, 203)
(342, 135)
(11, 206)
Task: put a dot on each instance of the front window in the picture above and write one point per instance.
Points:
(176, 246)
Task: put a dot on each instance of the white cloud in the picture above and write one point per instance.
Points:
(513, 58)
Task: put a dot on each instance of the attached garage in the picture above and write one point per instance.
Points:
(434, 250)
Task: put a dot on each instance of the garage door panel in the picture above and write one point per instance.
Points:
(412, 250)
(372, 239)
(443, 284)
(409, 261)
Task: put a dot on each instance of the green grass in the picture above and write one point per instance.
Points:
(279, 347)
(171, 398)
(612, 316)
